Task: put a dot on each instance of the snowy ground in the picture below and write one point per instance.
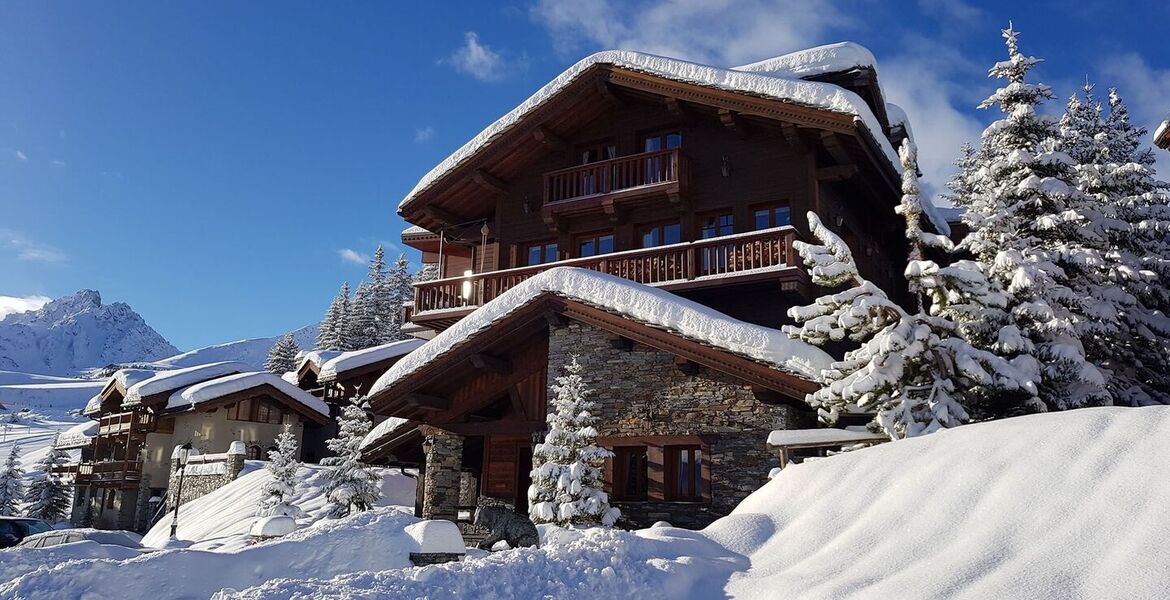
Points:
(1065, 505)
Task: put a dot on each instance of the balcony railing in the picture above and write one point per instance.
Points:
(676, 265)
(122, 422)
(615, 175)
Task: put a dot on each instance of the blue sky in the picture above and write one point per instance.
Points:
(221, 166)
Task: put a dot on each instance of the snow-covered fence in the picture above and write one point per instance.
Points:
(783, 441)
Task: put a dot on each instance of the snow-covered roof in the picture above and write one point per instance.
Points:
(290, 376)
(416, 230)
(78, 435)
(810, 62)
(897, 116)
(382, 430)
(639, 302)
(1162, 134)
(93, 406)
(318, 358)
(127, 378)
(824, 435)
(347, 361)
(165, 381)
(208, 391)
(743, 79)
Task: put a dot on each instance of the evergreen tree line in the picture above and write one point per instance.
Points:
(373, 314)
(1055, 300)
(46, 498)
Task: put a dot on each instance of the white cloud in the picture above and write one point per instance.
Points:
(58, 162)
(723, 32)
(424, 134)
(17, 304)
(20, 155)
(480, 61)
(29, 250)
(353, 256)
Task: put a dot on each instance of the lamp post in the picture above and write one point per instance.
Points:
(180, 453)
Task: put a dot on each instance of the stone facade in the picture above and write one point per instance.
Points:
(442, 477)
(643, 394)
(203, 478)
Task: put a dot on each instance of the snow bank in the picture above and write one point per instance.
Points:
(166, 381)
(639, 302)
(214, 389)
(1059, 505)
(221, 519)
(830, 58)
(794, 90)
(822, 435)
(381, 430)
(347, 361)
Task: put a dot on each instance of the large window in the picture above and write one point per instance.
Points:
(630, 473)
(666, 140)
(684, 473)
(594, 244)
(767, 217)
(716, 225)
(591, 154)
(660, 168)
(541, 253)
(660, 234)
(258, 411)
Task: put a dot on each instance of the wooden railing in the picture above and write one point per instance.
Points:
(112, 471)
(122, 422)
(614, 175)
(712, 258)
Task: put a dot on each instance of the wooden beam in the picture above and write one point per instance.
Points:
(425, 402)
(678, 109)
(517, 401)
(550, 139)
(490, 182)
(441, 215)
(487, 362)
(837, 172)
(792, 135)
(833, 146)
(492, 427)
(607, 94)
(735, 123)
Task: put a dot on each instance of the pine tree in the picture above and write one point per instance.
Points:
(353, 485)
(283, 466)
(428, 272)
(48, 498)
(282, 357)
(1124, 289)
(11, 483)
(1021, 207)
(400, 284)
(381, 300)
(333, 334)
(361, 322)
(566, 475)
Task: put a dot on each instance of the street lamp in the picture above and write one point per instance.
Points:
(181, 454)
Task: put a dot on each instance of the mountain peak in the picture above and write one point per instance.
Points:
(76, 332)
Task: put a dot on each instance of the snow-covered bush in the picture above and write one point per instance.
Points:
(353, 485)
(566, 475)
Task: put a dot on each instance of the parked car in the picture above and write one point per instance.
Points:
(15, 529)
(49, 539)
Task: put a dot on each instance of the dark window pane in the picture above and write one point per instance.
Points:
(726, 224)
(673, 140)
(672, 234)
(684, 472)
(533, 255)
(587, 248)
(763, 218)
(605, 244)
(650, 238)
(653, 143)
(783, 216)
(550, 253)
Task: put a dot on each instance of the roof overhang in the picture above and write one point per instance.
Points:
(263, 389)
(1162, 135)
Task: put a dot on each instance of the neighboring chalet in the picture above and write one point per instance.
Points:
(1162, 135)
(142, 415)
(677, 190)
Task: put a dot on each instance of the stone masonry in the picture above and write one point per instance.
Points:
(203, 478)
(643, 392)
(441, 478)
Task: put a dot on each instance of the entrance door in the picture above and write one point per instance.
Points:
(508, 470)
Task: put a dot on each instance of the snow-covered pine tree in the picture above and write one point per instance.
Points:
(282, 357)
(1020, 205)
(48, 498)
(381, 301)
(401, 291)
(11, 483)
(283, 466)
(361, 322)
(1125, 287)
(333, 334)
(353, 485)
(912, 370)
(428, 272)
(566, 474)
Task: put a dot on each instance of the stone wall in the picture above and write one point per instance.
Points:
(643, 392)
(442, 475)
(203, 478)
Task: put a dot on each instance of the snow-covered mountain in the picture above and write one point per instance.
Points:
(251, 352)
(77, 332)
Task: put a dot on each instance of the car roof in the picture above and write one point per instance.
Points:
(25, 519)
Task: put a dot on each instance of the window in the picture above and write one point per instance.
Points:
(660, 168)
(684, 473)
(594, 244)
(661, 234)
(257, 411)
(541, 253)
(592, 154)
(253, 452)
(109, 498)
(662, 141)
(630, 475)
(716, 225)
(772, 216)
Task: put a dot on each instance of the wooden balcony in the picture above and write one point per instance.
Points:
(115, 473)
(120, 423)
(740, 258)
(604, 184)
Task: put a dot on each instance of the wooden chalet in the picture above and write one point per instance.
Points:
(685, 178)
(1162, 135)
(143, 415)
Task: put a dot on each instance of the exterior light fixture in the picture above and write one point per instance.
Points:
(467, 285)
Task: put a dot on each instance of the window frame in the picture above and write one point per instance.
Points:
(544, 245)
(595, 237)
(621, 473)
(771, 207)
(672, 456)
(660, 227)
(718, 215)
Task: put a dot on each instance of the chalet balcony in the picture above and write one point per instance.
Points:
(605, 184)
(119, 423)
(740, 258)
(114, 473)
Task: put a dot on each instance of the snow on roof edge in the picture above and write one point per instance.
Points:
(818, 60)
(360, 358)
(211, 389)
(381, 430)
(639, 302)
(820, 95)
